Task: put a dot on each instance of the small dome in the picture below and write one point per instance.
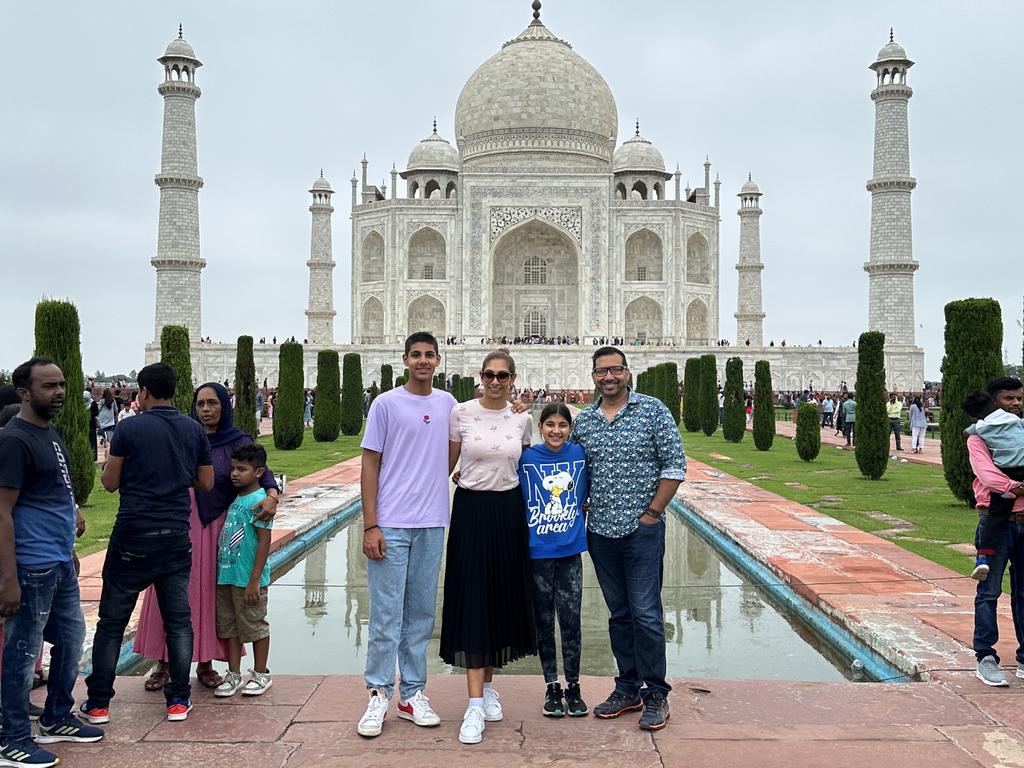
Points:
(180, 49)
(891, 51)
(433, 154)
(749, 188)
(321, 185)
(637, 154)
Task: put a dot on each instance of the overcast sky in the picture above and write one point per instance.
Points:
(777, 89)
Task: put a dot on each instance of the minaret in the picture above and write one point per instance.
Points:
(749, 314)
(320, 328)
(178, 263)
(891, 264)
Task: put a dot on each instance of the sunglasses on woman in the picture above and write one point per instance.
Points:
(490, 376)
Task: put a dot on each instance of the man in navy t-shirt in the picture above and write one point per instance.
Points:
(38, 587)
(154, 459)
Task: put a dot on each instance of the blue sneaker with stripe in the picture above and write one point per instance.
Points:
(26, 754)
(71, 729)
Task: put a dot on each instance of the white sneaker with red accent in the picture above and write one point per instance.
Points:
(372, 721)
(418, 710)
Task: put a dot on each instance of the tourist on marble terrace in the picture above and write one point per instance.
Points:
(636, 463)
(154, 459)
(404, 488)
(212, 409)
(1007, 393)
(39, 597)
(487, 616)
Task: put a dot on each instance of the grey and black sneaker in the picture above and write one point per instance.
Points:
(617, 704)
(553, 706)
(1020, 669)
(27, 754)
(990, 674)
(655, 714)
(34, 711)
(575, 706)
(71, 729)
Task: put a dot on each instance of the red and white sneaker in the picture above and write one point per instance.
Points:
(93, 713)
(417, 709)
(178, 709)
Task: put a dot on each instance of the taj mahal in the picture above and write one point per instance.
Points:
(536, 223)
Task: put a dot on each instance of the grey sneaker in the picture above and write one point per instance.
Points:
(1020, 669)
(990, 674)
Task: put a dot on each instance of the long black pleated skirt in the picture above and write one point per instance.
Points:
(487, 618)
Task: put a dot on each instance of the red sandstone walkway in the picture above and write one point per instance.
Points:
(932, 451)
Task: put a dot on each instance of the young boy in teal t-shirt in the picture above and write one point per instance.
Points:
(243, 576)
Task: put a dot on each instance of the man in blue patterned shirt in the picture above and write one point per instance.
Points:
(636, 463)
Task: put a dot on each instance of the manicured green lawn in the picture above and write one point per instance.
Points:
(101, 509)
(914, 493)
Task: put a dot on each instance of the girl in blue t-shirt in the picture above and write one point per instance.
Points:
(553, 478)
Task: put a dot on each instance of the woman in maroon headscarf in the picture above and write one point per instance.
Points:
(211, 407)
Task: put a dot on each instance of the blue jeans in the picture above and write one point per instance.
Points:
(1009, 550)
(132, 564)
(50, 610)
(630, 572)
(403, 599)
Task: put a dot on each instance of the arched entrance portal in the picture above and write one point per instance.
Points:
(535, 275)
(427, 314)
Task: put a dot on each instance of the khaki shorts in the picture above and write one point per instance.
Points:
(239, 619)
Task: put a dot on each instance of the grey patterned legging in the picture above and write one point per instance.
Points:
(558, 587)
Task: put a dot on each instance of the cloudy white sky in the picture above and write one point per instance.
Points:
(777, 89)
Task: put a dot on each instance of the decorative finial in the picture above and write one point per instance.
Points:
(890, 34)
(435, 124)
(179, 32)
(749, 176)
(638, 126)
(536, 10)
(321, 173)
(716, 178)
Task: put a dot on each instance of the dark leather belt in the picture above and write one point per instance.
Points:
(1015, 517)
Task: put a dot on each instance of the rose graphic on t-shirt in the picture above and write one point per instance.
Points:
(426, 420)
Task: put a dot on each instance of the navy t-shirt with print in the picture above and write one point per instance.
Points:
(35, 461)
(162, 449)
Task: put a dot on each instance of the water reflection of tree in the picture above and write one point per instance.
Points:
(357, 596)
(315, 584)
(693, 583)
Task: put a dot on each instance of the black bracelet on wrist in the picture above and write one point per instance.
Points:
(652, 512)
(370, 528)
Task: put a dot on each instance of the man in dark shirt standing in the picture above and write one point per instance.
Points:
(153, 460)
(38, 587)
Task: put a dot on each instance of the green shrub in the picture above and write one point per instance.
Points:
(327, 405)
(672, 389)
(658, 383)
(734, 416)
(352, 395)
(641, 382)
(764, 406)
(974, 340)
(174, 350)
(708, 395)
(808, 431)
(57, 337)
(291, 398)
(387, 375)
(691, 395)
(399, 382)
(245, 388)
(872, 425)
(438, 382)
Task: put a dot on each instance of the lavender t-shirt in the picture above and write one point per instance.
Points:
(411, 434)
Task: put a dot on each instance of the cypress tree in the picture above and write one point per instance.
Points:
(734, 416)
(691, 394)
(974, 340)
(352, 395)
(672, 389)
(387, 375)
(457, 387)
(641, 382)
(245, 388)
(174, 350)
(57, 337)
(291, 398)
(872, 426)
(327, 405)
(764, 406)
(438, 382)
(657, 382)
(708, 407)
(808, 431)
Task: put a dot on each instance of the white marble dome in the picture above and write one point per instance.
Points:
(538, 96)
(179, 49)
(433, 154)
(639, 155)
(321, 184)
(892, 51)
(750, 188)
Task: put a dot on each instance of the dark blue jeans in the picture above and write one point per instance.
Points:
(131, 565)
(1009, 550)
(50, 609)
(630, 572)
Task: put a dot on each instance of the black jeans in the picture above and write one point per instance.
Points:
(896, 427)
(992, 529)
(848, 432)
(133, 563)
(558, 588)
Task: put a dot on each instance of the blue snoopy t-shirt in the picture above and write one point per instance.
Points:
(555, 485)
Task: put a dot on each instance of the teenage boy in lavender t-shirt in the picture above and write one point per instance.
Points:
(404, 485)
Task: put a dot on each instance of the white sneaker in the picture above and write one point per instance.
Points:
(257, 684)
(472, 730)
(232, 682)
(417, 709)
(372, 721)
(492, 707)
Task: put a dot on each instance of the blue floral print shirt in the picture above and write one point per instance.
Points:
(626, 458)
